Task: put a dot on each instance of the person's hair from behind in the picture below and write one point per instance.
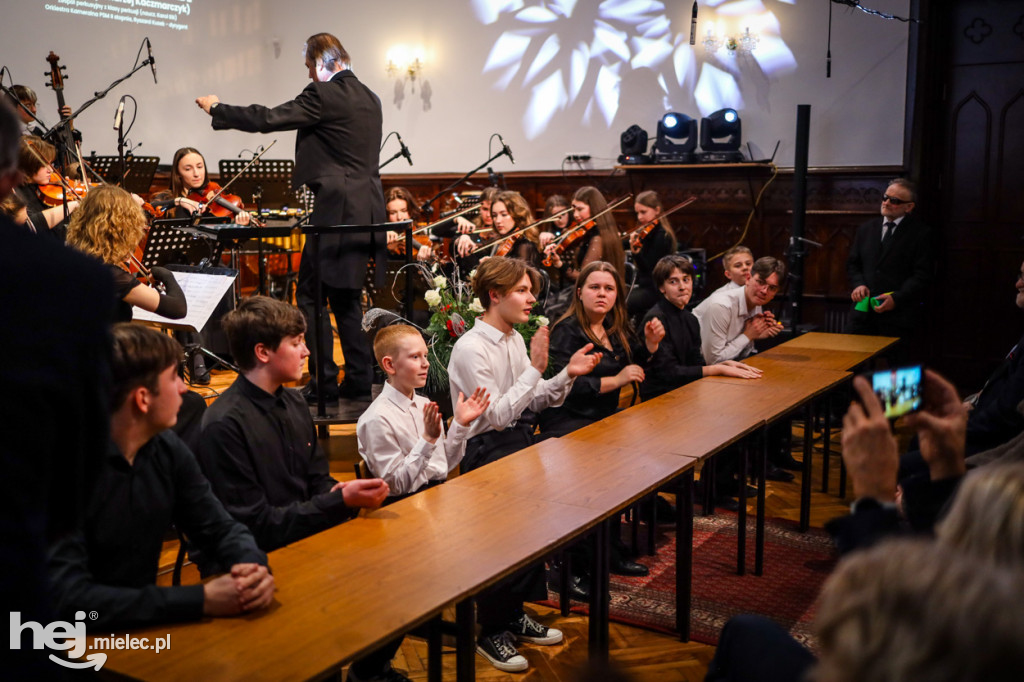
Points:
(766, 266)
(140, 355)
(388, 339)
(108, 224)
(10, 138)
(919, 610)
(326, 48)
(666, 265)
(986, 518)
(739, 248)
(501, 275)
(260, 319)
(12, 206)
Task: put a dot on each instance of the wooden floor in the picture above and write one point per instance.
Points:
(641, 654)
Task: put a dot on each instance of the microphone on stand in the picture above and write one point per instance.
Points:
(152, 64)
(693, 24)
(506, 150)
(405, 150)
(119, 116)
(492, 177)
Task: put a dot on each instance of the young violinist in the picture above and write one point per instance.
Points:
(509, 214)
(600, 241)
(109, 225)
(191, 187)
(647, 248)
(472, 232)
(400, 205)
(35, 161)
(556, 204)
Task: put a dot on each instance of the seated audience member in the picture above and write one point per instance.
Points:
(597, 317)
(737, 263)
(492, 355)
(994, 418)
(401, 435)
(678, 360)
(149, 481)
(260, 450)
(733, 319)
(647, 251)
(920, 611)
(14, 208)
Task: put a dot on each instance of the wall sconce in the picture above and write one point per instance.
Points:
(745, 43)
(402, 63)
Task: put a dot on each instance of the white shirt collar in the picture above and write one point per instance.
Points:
(397, 397)
(491, 332)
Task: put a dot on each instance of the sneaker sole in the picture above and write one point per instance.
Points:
(543, 641)
(505, 666)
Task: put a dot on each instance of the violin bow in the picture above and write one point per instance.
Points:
(681, 204)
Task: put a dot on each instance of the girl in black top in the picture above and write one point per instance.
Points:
(109, 225)
(189, 176)
(597, 315)
(647, 251)
(35, 161)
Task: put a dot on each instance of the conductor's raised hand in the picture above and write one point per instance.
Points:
(539, 349)
(366, 493)
(468, 409)
(654, 332)
(431, 422)
(206, 102)
(583, 361)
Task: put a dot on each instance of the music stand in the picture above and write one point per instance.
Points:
(168, 243)
(269, 182)
(141, 171)
(313, 233)
(204, 288)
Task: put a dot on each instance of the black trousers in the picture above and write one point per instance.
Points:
(346, 304)
(756, 649)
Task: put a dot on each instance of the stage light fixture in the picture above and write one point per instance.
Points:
(633, 145)
(675, 126)
(720, 135)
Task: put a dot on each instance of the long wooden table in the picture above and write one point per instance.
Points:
(345, 591)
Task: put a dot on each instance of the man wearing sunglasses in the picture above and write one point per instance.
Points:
(890, 263)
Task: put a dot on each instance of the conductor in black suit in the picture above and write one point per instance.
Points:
(890, 261)
(337, 149)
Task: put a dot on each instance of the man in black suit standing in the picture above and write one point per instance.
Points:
(890, 261)
(337, 149)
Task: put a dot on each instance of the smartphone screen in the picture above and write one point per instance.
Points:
(898, 389)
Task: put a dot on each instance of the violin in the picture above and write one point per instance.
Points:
(643, 230)
(224, 204)
(52, 194)
(573, 235)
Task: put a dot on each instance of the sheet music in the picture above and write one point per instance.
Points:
(203, 292)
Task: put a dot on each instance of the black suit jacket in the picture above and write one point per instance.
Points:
(904, 267)
(337, 150)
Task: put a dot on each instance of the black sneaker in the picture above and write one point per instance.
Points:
(501, 651)
(526, 629)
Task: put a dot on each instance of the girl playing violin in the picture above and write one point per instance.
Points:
(601, 240)
(647, 251)
(35, 160)
(400, 205)
(109, 225)
(509, 213)
(191, 187)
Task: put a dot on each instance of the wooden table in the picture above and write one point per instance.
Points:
(850, 342)
(606, 479)
(344, 592)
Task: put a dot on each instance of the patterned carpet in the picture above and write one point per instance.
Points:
(796, 566)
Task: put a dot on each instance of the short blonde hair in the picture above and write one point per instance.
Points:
(986, 519)
(388, 339)
(734, 251)
(108, 224)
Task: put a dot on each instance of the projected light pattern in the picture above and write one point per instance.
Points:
(572, 55)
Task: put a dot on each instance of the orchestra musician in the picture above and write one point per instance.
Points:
(647, 250)
(601, 240)
(400, 205)
(109, 225)
(509, 214)
(191, 188)
(35, 160)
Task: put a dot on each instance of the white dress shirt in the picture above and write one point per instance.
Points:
(391, 442)
(728, 286)
(721, 327)
(485, 356)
